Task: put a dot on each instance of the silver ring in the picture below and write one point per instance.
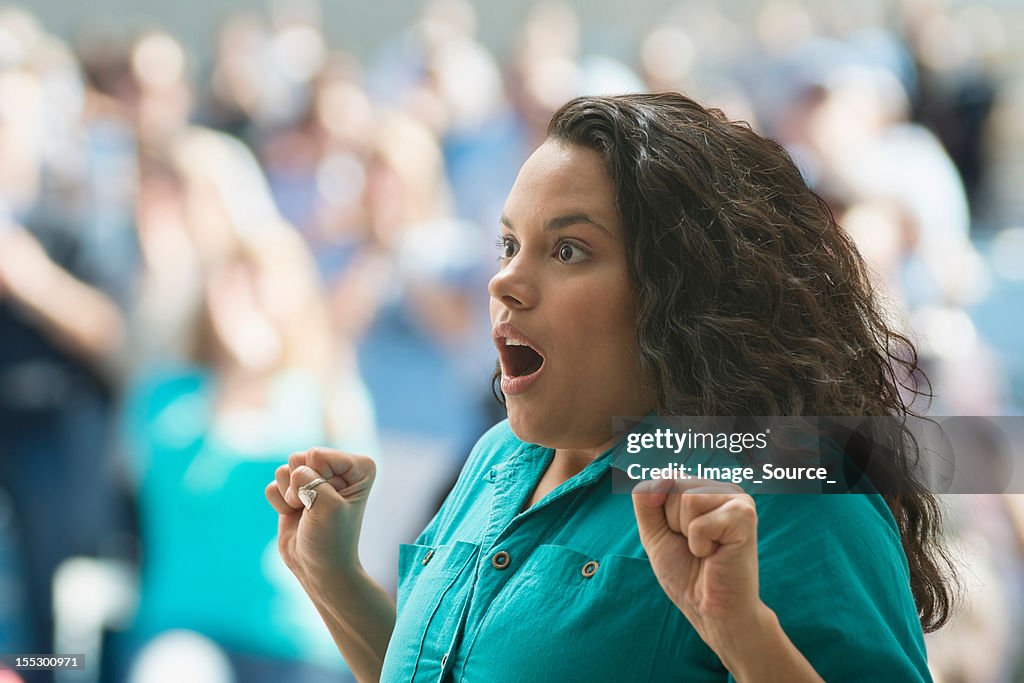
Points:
(307, 492)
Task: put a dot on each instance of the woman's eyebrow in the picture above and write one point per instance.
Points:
(560, 222)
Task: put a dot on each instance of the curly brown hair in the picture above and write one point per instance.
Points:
(751, 299)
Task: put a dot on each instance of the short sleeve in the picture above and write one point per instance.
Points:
(833, 569)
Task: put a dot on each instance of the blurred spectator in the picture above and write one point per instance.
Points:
(67, 266)
(205, 437)
(857, 144)
(200, 192)
(14, 623)
(955, 52)
(316, 165)
(414, 296)
(980, 645)
(421, 276)
(544, 72)
(235, 369)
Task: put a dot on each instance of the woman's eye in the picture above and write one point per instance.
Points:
(507, 247)
(570, 253)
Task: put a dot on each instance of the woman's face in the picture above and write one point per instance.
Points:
(562, 294)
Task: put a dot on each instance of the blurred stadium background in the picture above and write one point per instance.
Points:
(231, 230)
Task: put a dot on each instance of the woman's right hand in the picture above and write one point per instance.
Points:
(322, 541)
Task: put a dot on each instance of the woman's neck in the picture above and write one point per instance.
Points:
(566, 463)
(573, 460)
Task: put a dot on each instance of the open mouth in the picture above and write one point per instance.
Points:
(519, 359)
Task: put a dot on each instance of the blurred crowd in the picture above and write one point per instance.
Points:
(206, 265)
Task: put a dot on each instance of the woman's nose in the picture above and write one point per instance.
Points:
(514, 286)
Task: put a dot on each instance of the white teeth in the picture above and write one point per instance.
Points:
(513, 342)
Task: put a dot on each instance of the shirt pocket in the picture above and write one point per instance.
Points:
(425, 571)
(432, 585)
(567, 615)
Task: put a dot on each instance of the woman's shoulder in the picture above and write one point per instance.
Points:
(853, 535)
(842, 509)
(825, 520)
(833, 568)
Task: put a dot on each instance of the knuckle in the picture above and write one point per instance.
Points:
(323, 453)
(673, 504)
(326, 459)
(698, 527)
(320, 457)
(687, 504)
(743, 511)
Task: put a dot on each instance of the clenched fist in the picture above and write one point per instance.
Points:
(324, 539)
(701, 538)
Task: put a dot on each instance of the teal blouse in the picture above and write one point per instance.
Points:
(563, 591)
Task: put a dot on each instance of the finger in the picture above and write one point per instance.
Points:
(648, 506)
(356, 471)
(652, 492)
(651, 486)
(670, 504)
(692, 483)
(661, 494)
(283, 480)
(683, 508)
(327, 497)
(296, 460)
(318, 463)
(732, 523)
(276, 500)
(302, 459)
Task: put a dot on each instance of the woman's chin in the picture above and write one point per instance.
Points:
(529, 425)
(520, 425)
(548, 430)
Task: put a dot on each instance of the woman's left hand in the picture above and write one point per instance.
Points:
(701, 538)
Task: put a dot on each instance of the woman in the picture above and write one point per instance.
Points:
(244, 373)
(654, 258)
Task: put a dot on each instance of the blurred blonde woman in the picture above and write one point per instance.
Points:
(257, 376)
